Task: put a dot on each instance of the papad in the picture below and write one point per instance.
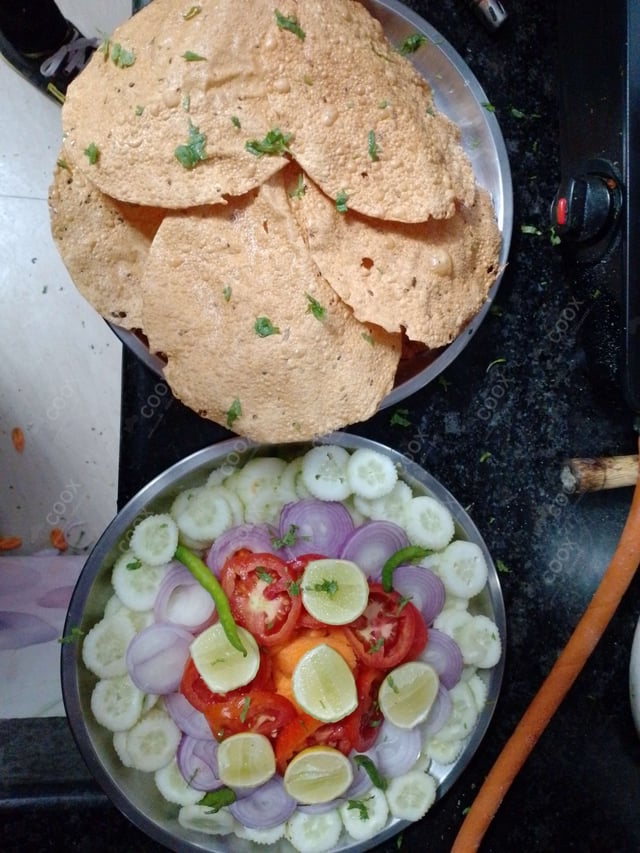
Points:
(103, 243)
(362, 119)
(197, 74)
(427, 279)
(213, 278)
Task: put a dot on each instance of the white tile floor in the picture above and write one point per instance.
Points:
(60, 363)
(59, 382)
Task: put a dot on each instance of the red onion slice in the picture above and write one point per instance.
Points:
(254, 537)
(266, 807)
(156, 657)
(320, 527)
(396, 750)
(371, 544)
(422, 587)
(444, 655)
(182, 601)
(186, 717)
(198, 762)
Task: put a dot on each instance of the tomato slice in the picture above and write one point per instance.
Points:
(259, 711)
(293, 737)
(383, 635)
(420, 632)
(194, 689)
(262, 594)
(363, 724)
(337, 735)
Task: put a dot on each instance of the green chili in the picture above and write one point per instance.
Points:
(404, 555)
(206, 579)
(371, 770)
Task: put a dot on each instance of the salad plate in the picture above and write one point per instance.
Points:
(135, 792)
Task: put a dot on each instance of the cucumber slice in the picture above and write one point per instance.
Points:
(291, 487)
(464, 714)
(371, 474)
(411, 795)
(104, 648)
(428, 523)
(153, 741)
(314, 833)
(391, 507)
(257, 486)
(120, 747)
(480, 642)
(202, 514)
(480, 690)
(324, 472)
(444, 752)
(116, 703)
(136, 583)
(463, 569)
(174, 787)
(261, 836)
(204, 819)
(155, 539)
(365, 816)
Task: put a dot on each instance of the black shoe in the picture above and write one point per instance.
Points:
(52, 73)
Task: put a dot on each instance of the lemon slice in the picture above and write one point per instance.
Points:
(318, 774)
(221, 666)
(334, 591)
(245, 760)
(407, 694)
(323, 685)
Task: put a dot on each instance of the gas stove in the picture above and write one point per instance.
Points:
(596, 211)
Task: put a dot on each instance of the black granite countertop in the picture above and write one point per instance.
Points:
(494, 428)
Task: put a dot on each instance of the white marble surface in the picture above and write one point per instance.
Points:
(59, 369)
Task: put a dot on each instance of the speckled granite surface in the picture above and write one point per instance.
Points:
(496, 437)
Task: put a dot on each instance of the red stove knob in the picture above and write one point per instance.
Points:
(583, 207)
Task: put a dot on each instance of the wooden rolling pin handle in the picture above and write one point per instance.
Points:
(594, 475)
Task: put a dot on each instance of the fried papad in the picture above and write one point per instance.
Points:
(427, 279)
(362, 121)
(254, 337)
(192, 81)
(103, 243)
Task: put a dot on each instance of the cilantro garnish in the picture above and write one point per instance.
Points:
(341, 202)
(300, 188)
(399, 418)
(315, 308)
(72, 637)
(233, 412)
(501, 567)
(330, 586)
(289, 538)
(375, 647)
(264, 327)
(290, 23)
(92, 153)
(411, 43)
(372, 146)
(235, 121)
(191, 12)
(392, 683)
(360, 806)
(368, 338)
(132, 565)
(215, 800)
(226, 293)
(293, 589)
(274, 143)
(193, 152)
(190, 56)
(245, 708)
(264, 575)
(121, 57)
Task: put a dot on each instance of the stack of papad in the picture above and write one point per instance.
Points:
(222, 269)
(281, 284)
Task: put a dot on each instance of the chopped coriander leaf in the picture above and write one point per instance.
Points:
(139, 110)
(502, 568)
(92, 153)
(485, 455)
(264, 575)
(133, 565)
(367, 337)
(399, 418)
(226, 293)
(121, 57)
(274, 143)
(488, 107)
(411, 43)
(300, 188)
(233, 412)
(375, 647)
(315, 308)
(328, 586)
(290, 23)
(186, 103)
(516, 113)
(62, 164)
(372, 146)
(193, 152)
(245, 708)
(530, 229)
(383, 105)
(294, 588)
(235, 121)
(72, 637)
(341, 202)
(215, 800)
(289, 538)
(191, 12)
(392, 684)
(360, 806)
(190, 56)
(264, 327)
